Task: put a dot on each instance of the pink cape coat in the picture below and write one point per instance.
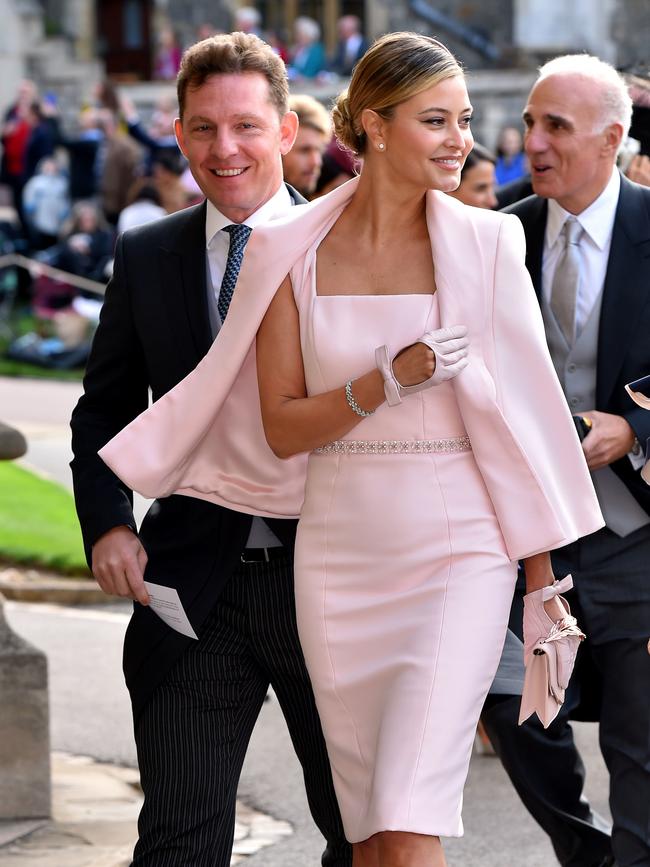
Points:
(205, 439)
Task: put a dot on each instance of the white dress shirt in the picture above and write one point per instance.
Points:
(217, 243)
(352, 45)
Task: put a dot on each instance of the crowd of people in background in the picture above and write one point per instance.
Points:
(71, 192)
(304, 51)
(70, 189)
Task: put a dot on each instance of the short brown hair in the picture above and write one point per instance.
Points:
(231, 53)
(311, 113)
(395, 68)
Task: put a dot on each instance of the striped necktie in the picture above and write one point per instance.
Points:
(239, 235)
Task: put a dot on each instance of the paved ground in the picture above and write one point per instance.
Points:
(90, 716)
(90, 713)
(41, 410)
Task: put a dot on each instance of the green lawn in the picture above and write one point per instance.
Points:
(21, 323)
(38, 524)
(8, 367)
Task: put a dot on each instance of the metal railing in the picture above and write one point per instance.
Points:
(35, 266)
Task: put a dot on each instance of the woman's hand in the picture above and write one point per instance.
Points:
(439, 355)
(539, 574)
(414, 364)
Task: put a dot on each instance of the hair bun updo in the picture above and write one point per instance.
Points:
(395, 68)
(344, 127)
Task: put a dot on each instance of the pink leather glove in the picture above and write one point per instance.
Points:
(537, 623)
(550, 649)
(449, 346)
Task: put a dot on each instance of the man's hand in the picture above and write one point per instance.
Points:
(128, 109)
(609, 439)
(118, 564)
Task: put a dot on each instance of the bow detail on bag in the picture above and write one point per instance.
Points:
(550, 650)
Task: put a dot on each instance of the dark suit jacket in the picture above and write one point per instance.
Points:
(154, 329)
(624, 334)
(513, 192)
(344, 65)
(83, 155)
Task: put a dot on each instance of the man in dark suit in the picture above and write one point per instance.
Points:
(588, 252)
(351, 45)
(195, 702)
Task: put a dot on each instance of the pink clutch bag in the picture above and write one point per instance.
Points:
(550, 650)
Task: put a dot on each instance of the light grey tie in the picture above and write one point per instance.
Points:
(566, 280)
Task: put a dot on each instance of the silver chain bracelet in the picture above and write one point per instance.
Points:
(354, 406)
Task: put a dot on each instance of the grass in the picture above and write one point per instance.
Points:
(8, 367)
(22, 322)
(38, 523)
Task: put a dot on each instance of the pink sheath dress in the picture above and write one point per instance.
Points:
(403, 584)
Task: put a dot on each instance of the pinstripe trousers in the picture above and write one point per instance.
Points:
(193, 733)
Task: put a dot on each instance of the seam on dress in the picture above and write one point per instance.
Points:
(312, 311)
(493, 355)
(427, 324)
(442, 626)
(327, 643)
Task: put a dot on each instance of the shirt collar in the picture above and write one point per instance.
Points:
(597, 220)
(277, 205)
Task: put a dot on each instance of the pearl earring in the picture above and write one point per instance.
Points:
(381, 146)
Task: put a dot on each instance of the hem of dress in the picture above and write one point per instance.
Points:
(426, 832)
(244, 508)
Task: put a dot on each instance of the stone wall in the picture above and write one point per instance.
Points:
(188, 15)
(12, 62)
(630, 28)
(24, 728)
(544, 28)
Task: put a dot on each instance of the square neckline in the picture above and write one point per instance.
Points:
(429, 295)
(314, 256)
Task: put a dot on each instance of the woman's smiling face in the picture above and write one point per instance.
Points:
(428, 137)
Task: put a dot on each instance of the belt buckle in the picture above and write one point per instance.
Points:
(266, 559)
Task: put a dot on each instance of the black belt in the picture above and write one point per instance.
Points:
(263, 555)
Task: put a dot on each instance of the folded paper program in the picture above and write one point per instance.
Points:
(550, 650)
(639, 391)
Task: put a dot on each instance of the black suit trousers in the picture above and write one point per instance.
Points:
(546, 769)
(611, 599)
(193, 733)
(611, 685)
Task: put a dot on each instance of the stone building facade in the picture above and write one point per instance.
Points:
(500, 42)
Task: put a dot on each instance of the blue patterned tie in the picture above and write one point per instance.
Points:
(239, 235)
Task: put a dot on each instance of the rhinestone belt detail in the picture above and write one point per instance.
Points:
(394, 447)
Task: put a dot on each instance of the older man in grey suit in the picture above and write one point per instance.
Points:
(588, 239)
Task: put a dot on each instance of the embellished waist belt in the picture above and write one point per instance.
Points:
(394, 447)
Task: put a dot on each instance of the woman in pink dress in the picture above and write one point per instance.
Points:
(418, 428)
(403, 577)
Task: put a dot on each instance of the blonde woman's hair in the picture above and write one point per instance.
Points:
(395, 68)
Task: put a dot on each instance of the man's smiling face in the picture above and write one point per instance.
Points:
(233, 138)
(570, 150)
